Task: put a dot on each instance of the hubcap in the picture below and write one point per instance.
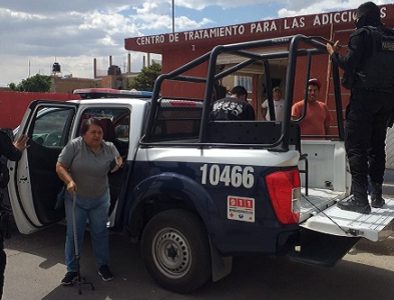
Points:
(171, 253)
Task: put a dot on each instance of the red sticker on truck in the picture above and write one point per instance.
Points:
(240, 208)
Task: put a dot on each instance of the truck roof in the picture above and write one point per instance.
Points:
(165, 102)
(94, 93)
(111, 101)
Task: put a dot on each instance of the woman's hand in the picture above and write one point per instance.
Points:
(66, 178)
(71, 187)
(119, 164)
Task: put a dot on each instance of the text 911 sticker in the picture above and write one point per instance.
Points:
(240, 208)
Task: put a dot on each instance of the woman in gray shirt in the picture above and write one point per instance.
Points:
(83, 166)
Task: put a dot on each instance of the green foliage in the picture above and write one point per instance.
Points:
(36, 83)
(146, 79)
(12, 86)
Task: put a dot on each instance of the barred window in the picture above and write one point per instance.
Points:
(176, 120)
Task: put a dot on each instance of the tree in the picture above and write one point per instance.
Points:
(36, 83)
(145, 80)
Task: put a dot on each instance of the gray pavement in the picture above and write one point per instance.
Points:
(35, 268)
(36, 265)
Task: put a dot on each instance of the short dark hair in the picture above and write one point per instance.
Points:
(239, 91)
(89, 122)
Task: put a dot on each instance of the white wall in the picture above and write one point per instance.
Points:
(390, 148)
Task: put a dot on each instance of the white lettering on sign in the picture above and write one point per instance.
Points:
(173, 37)
(214, 32)
(151, 40)
(254, 28)
(235, 176)
(294, 23)
(240, 209)
(265, 26)
(383, 13)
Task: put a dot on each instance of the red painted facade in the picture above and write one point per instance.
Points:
(182, 47)
(14, 104)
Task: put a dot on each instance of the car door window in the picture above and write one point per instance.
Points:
(49, 129)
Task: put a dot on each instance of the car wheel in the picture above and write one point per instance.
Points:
(176, 251)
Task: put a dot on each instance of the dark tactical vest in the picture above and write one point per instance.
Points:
(377, 70)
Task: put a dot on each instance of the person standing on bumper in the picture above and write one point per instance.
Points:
(83, 166)
(368, 67)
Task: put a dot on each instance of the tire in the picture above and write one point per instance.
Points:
(175, 250)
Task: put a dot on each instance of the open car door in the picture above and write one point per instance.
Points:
(34, 184)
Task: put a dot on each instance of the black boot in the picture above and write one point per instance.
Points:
(353, 204)
(377, 200)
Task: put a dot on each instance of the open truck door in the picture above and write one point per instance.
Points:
(34, 184)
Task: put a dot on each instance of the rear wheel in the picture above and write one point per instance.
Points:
(175, 250)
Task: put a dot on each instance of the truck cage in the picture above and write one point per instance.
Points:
(275, 135)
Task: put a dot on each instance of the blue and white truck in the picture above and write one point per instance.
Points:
(195, 192)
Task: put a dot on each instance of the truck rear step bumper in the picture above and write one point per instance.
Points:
(321, 249)
(375, 226)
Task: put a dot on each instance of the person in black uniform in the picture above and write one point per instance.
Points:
(11, 151)
(235, 107)
(368, 66)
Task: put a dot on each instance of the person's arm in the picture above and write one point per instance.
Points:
(64, 162)
(65, 176)
(21, 142)
(264, 108)
(327, 120)
(118, 163)
(264, 113)
(295, 114)
(356, 49)
(118, 160)
(327, 128)
(12, 151)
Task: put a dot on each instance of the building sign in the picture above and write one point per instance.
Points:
(267, 26)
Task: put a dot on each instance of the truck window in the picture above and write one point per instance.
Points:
(177, 120)
(49, 129)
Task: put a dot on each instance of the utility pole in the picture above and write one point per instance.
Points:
(173, 16)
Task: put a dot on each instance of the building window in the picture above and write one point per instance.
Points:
(244, 81)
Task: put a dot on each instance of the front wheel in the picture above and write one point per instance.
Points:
(175, 250)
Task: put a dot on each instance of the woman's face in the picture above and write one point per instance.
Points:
(94, 136)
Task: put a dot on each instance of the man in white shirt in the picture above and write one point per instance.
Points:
(278, 105)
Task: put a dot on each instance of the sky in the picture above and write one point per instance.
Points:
(36, 33)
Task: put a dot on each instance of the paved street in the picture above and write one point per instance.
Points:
(35, 268)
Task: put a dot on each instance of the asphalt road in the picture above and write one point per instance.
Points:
(35, 267)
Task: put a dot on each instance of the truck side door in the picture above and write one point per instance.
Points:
(34, 184)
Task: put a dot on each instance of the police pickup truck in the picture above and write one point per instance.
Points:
(195, 192)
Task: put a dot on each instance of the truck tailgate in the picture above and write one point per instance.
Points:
(375, 226)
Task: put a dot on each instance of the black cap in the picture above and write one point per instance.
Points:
(368, 13)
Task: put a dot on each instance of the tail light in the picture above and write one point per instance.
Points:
(285, 194)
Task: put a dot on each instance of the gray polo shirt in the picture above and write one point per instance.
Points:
(88, 169)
